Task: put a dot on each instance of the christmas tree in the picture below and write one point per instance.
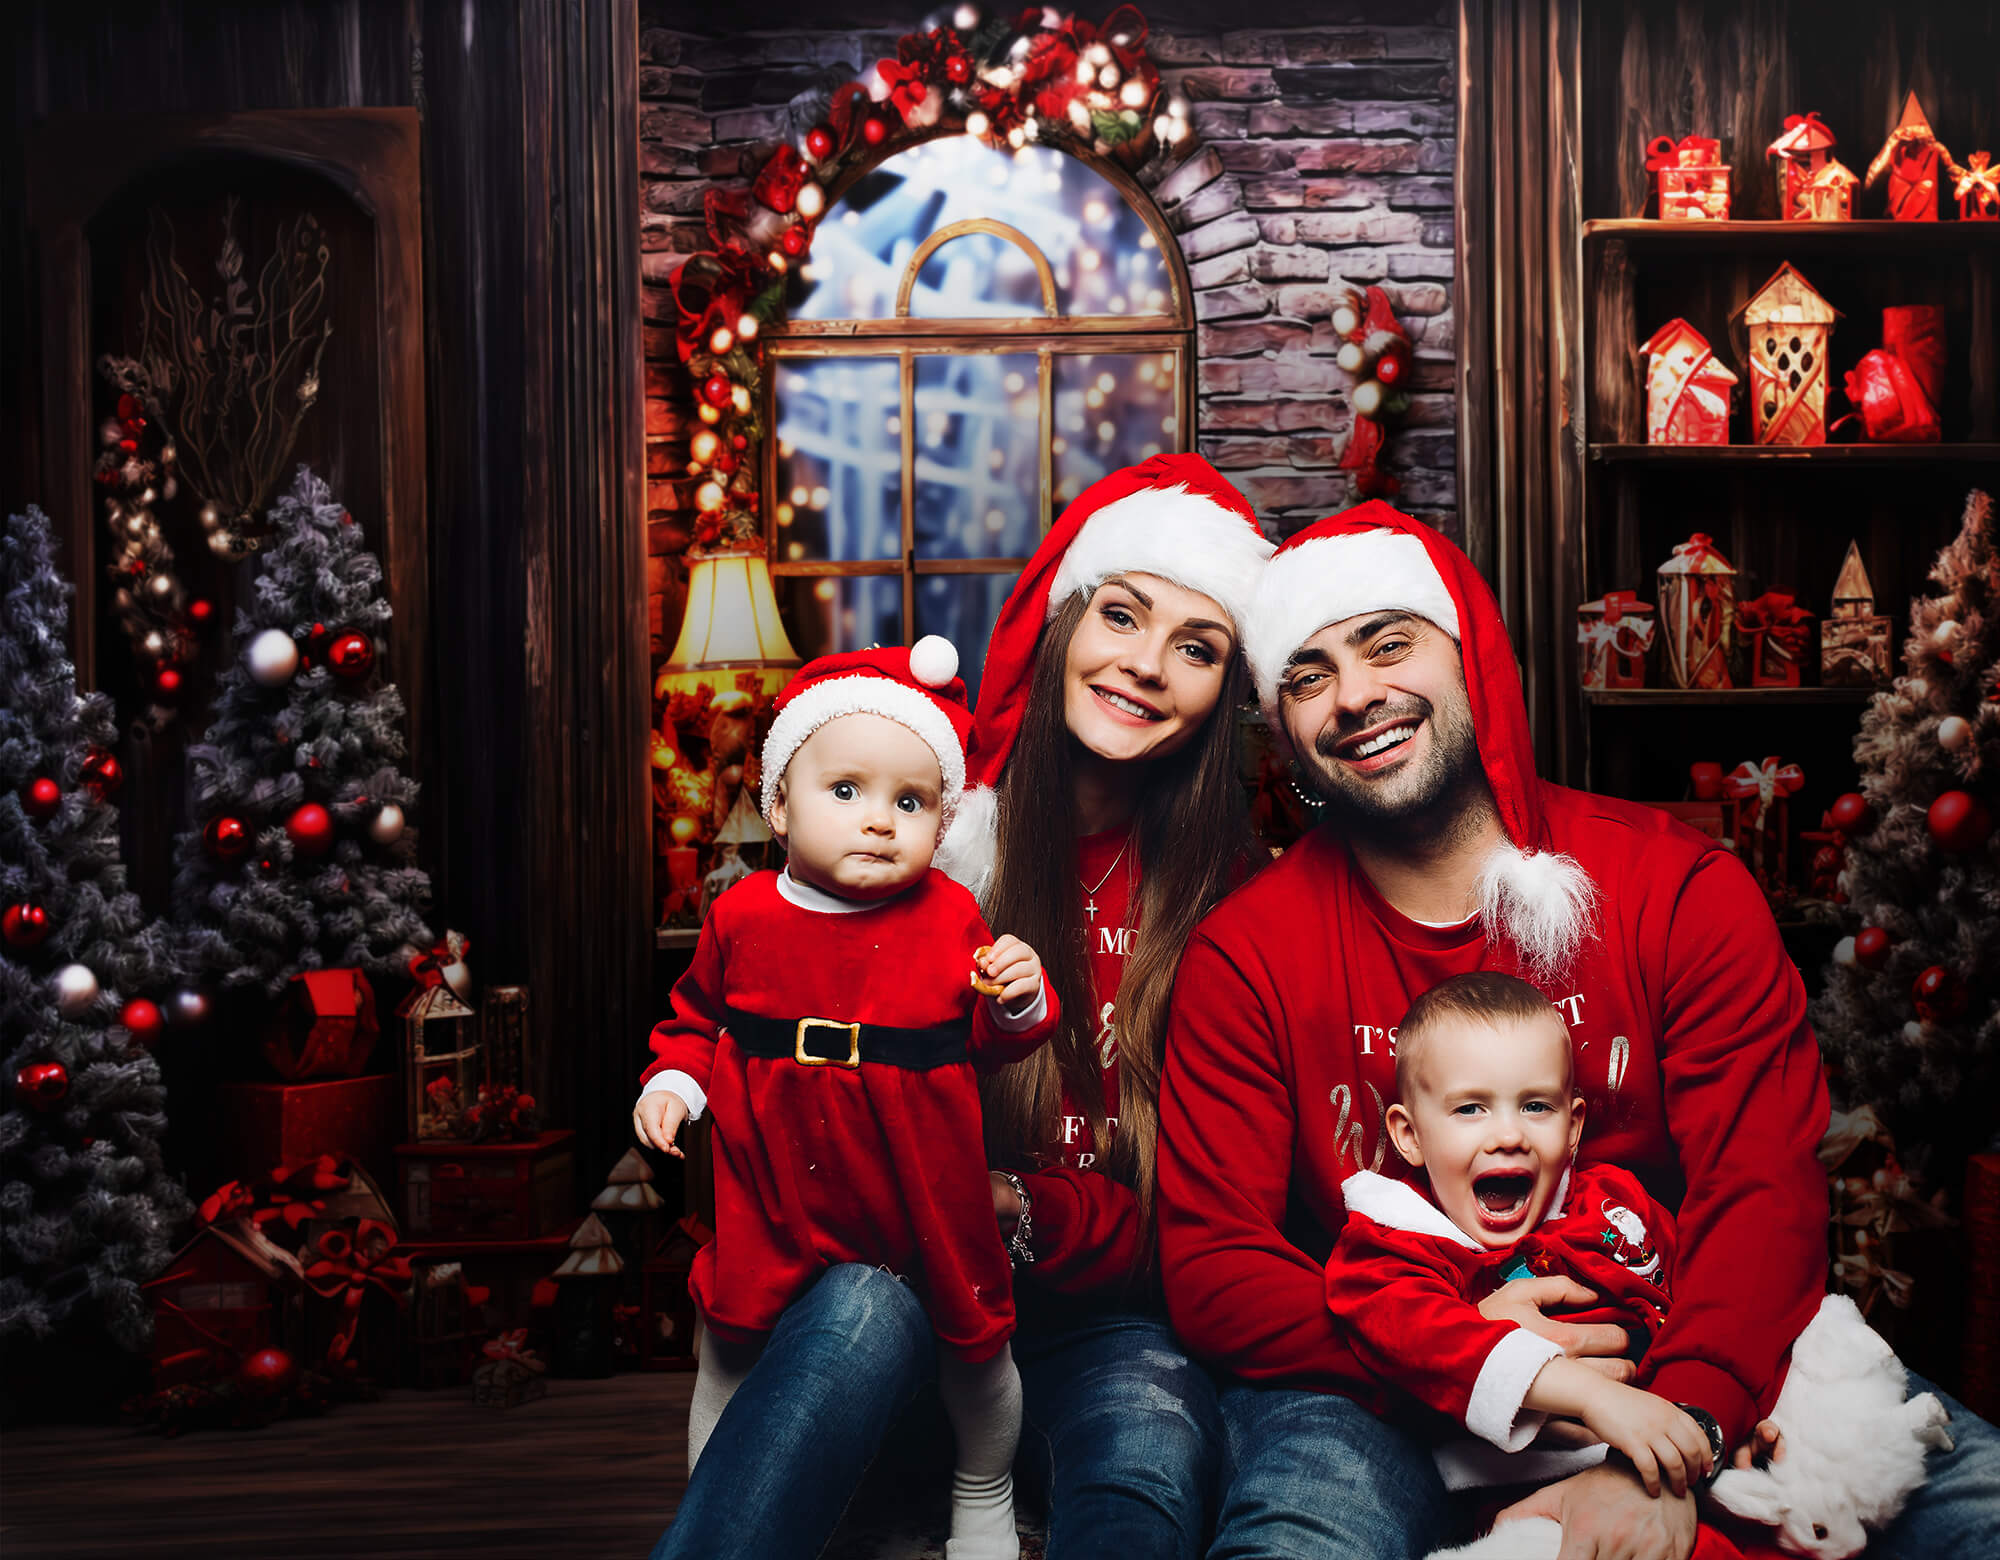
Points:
(1910, 1016)
(86, 1211)
(301, 858)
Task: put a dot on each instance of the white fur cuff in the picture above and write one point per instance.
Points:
(1495, 1413)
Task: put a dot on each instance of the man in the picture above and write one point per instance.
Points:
(1382, 661)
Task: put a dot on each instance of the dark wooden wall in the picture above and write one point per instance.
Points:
(535, 826)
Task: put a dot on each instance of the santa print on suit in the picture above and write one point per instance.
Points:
(1686, 1017)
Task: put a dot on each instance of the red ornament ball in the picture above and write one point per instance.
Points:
(1390, 368)
(726, 464)
(1850, 813)
(200, 610)
(24, 925)
(740, 440)
(794, 240)
(1871, 947)
(268, 1373)
(311, 829)
(819, 143)
(1940, 995)
(717, 390)
(1959, 822)
(101, 773)
(959, 69)
(1706, 780)
(227, 838)
(40, 797)
(167, 682)
(351, 655)
(873, 130)
(143, 1020)
(44, 1085)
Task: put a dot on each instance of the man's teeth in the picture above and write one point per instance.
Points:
(1392, 738)
(1119, 702)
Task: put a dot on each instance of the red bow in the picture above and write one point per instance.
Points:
(1691, 151)
(512, 1347)
(1976, 176)
(779, 181)
(444, 965)
(704, 299)
(1761, 784)
(1697, 549)
(348, 1266)
(1626, 635)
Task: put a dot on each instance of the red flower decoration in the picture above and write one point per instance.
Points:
(779, 181)
(907, 87)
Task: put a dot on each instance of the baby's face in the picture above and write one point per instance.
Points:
(860, 808)
(1492, 1119)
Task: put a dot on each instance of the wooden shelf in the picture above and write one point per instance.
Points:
(676, 936)
(1812, 454)
(1799, 237)
(1722, 698)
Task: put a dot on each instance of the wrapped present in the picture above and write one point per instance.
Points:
(1761, 789)
(1613, 635)
(1789, 328)
(1829, 194)
(266, 1124)
(486, 1191)
(511, 1374)
(1910, 158)
(225, 1295)
(349, 1269)
(1977, 187)
(1895, 388)
(1692, 179)
(1803, 152)
(1776, 633)
(1697, 614)
(1854, 646)
(1687, 387)
(326, 1027)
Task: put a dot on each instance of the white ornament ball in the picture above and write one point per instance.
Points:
(388, 825)
(1350, 357)
(1954, 732)
(273, 658)
(933, 660)
(811, 200)
(1368, 397)
(1345, 320)
(709, 497)
(747, 327)
(965, 18)
(1843, 952)
(1913, 1031)
(1945, 633)
(1134, 93)
(76, 989)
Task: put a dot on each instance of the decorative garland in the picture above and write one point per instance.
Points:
(1376, 350)
(1043, 77)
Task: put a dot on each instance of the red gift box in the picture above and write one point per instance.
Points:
(1761, 790)
(1613, 635)
(1775, 631)
(486, 1191)
(1687, 387)
(265, 1125)
(1692, 180)
(325, 1028)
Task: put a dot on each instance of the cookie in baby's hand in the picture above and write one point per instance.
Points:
(985, 988)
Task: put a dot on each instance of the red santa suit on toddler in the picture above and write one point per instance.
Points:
(837, 1041)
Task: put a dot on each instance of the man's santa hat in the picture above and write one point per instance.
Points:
(1373, 558)
(1173, 516)
(919, 688)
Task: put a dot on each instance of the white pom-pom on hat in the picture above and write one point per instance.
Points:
(933, 660)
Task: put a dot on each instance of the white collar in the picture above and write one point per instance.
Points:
(1397, 1205)
(808, 897)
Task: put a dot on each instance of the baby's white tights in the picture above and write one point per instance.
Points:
(983, 1402)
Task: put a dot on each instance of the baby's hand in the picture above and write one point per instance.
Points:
(1009, 970)
(1655, 1437)
(657, 1117)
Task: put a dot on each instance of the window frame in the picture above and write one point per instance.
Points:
(905, 339)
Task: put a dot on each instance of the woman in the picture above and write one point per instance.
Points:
(1108, 817)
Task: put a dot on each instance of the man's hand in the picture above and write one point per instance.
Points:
(657, 1117)
(1607, 1515)
(1766, 1445)
(1600, 1345)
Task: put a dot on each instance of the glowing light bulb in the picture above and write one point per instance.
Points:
(1134, 93)
(709, 497)
(977, 124)
(747, 327)
(704, 445)
(811, 199)
(721, 340)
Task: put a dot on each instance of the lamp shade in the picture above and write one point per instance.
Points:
(732, 617)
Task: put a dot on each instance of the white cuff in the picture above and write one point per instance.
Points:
(692, 1094)
(1029, 1016)
(1495, 1413)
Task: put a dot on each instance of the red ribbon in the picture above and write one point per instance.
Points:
(1761, 784)
(512, 1348)
(779, 181)
(1691, 151)
(1700, 548)
(348, 1267)
(444, 964)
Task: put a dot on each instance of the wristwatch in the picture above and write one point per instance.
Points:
(1717, 1446)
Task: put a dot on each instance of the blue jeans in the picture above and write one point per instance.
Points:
(1957, 1512)
(788, 1453)
(1318, 1477)
(1129, 1435)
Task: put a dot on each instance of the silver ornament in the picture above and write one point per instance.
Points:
(387, 826)
(272, 658)
(76, 989)
(190, 1006)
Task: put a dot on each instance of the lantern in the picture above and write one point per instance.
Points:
(1790, 327)
(441, 1051)
(1687, 387)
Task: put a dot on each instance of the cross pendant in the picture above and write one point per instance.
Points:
(1090, 908)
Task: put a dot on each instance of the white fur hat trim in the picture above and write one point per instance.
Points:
(1182, 537)
(862, 694)
(968, 852)
(1330, 579)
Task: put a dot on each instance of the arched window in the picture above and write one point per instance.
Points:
(980, 335)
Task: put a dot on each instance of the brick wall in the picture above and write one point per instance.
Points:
(1320, 153)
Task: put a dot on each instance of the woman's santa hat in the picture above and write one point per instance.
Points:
(919, 688)
(1374, 559)
(1173, 516)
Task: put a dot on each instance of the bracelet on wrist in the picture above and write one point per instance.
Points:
(1020, 1252)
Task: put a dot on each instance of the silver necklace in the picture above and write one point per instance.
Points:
(1090, 890)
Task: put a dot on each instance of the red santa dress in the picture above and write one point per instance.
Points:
(823, 1164)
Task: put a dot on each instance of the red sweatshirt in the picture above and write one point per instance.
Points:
(817, 1165)
(1692, 1049)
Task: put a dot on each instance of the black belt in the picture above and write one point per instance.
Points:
(826, 1042)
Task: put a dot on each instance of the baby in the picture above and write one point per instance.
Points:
(834, 1013)
(1488, 1109)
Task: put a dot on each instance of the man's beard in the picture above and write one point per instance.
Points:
(1439, 798)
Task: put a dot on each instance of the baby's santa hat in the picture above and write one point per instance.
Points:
(919, 688)
(1374, 558)
(1174, 516)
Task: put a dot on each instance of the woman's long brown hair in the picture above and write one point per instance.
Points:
(1193, 844)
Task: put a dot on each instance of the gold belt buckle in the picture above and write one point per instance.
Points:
(800, 1055)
